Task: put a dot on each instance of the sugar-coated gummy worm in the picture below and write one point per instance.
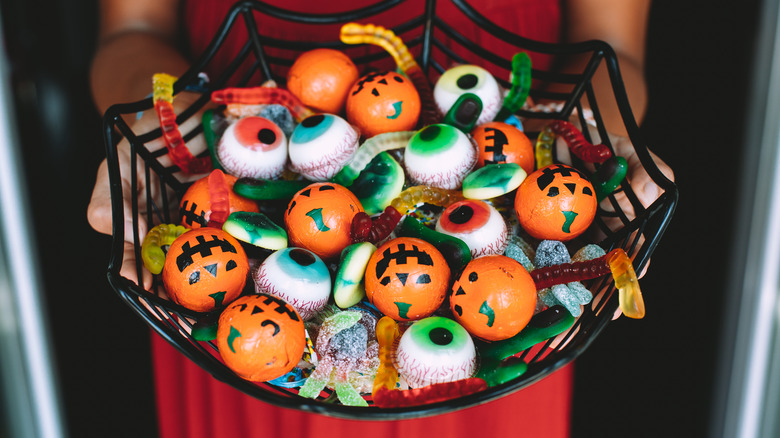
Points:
(521, 86)
(629, 295)
(568, 272)
(262, 96)
(368, 150)
(544, 145)
(436, 392)
(580, 147)
(355, 33)
(162, 96)
(386, 333)
(160, 236)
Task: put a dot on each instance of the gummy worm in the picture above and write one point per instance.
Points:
(436, 392)
(211, 138)
(629, 295)
(152, 252)
(262, 96)
(386, 333)
(543, 150)
(368, 150)
(521, 86)
(219, 195)
(580, 147)
(162, 96)
(567, 272)
(355, 33)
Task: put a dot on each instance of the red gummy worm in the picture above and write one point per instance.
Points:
(261, 96)
(383, 225)
(568, 272)
(430, 112)
(219, 195)
(580, 147)
(437, 392)
(177, 149)
(361, 227)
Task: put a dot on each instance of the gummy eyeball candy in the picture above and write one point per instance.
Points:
(253, 147)
(383, 102)
(204, 194)
(439, 156)
(297, 276)
(321, 145)
(319, 218)
(435, 350)
(556, 203)
(478, 224)
(499, 142)
(468, 79)
(260, 337)
(407, 278)
(493, 298)
(321, 79)
(205, 269)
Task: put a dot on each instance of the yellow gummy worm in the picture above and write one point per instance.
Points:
(152, 252)
(629, 295)
(386, 333)
(355, 33)
(162, 87)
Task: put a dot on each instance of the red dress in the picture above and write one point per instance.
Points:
(192, 404)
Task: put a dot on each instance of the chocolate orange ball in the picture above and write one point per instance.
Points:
(556, 203)
(493, 298)
(321, 79)
(499, 142)
(383, 102)
(260, 337)
(407, 278)
(205, 269)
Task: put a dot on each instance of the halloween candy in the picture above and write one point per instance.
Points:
(478, 224)
(321, 79)
(580, 147)
(629, 296)
(439, 156)
(383, 102)
(493, 180)
(499, 142)
(162, 96)
(379, 183)
(209, 194)
(493, 298)
(348, 287)
(321, 145)
(609, 176)
(436, 392)
(297, 276)
(368, 151)
(262, 96)
(407, 278)
(253, 147)
(435, 350)
(260, 337)
(464, 112)
(155, 245)
(452, 248)
(386, 334)
(205, 269)
(521, 86)
(473, 79)
(354, 33)
(543, 148)
(268, 190)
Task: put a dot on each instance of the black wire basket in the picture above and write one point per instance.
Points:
(264, 57)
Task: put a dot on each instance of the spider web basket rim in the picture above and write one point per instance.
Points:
(142, 301)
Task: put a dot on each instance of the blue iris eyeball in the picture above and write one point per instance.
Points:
(321, 145)
(298, 276)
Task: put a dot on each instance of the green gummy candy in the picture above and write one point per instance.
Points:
(256, 229)
(268, 190)
(493, 180)
(455, 251)
(379, 183)
(609, 176)
(348, 395)
(205, 329)
(495, 372)
(348, 288)
(465, 112)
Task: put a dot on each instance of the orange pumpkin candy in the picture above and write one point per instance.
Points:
(321, 79)
(205, 269)
(493, 298)
(383, 102)
(319, 218)
(260, 337)
(196, 205)
(499, 142)
(407, 279)
(555, 203)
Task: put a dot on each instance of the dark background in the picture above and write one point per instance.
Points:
(650, 378)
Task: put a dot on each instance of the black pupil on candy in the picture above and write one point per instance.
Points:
(430, 133)
(301, 257)
(266, 136)
(461, 214)
(440, 336)
(312, 121)
(467, 81)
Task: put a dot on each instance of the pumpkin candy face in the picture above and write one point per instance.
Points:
(499, 142)
(321, 79)
(383, 102)
(556, 203)
(493, 298)
(319, 218)
(201, 198)
(407, 278)
(260, 337)
(205, 269)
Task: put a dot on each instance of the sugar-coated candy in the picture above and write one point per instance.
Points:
(468, 78)
(297, 276)
(478, 224)
(280, 116)
(435, 350)
(550, 253)
(321, 145)
(439, 156)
